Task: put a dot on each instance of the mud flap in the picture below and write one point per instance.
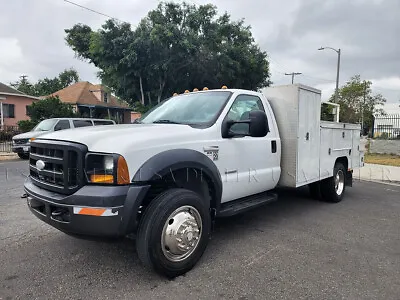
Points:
(349, 178)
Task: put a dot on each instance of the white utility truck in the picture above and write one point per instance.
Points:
(191, 159)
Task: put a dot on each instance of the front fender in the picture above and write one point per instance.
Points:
(168, 161)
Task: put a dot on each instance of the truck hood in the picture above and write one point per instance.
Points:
(29, 134)
(125, 137)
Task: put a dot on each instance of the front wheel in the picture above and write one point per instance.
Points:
(333, 188)
(174, 231)
(23, 155)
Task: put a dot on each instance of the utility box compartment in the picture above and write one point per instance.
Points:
(297, 110)
(310, 147)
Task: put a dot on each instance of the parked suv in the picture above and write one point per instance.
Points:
(21, 142)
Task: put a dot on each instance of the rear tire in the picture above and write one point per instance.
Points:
(23, 155)
(333, 188)
(174, 232)
(315, 190)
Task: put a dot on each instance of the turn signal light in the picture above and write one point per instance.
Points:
(122, 171)
(101, 178)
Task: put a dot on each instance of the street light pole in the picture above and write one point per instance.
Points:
(338, 51)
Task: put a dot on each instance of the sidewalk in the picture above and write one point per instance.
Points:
(8, 156)
(371, 172)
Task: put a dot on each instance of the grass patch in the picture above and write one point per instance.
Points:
(383, 159)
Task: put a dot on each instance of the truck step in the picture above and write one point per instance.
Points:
(234, 207)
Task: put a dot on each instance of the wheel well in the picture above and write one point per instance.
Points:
(189, 178)
(344, 161)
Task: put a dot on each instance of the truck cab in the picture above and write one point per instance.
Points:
(189, 160)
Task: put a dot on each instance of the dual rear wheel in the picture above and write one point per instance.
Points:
(331, 189)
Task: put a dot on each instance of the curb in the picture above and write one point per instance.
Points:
(393, 183)
(8, 156)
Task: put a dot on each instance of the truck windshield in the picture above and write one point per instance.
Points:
(192, 108)
(45, 125)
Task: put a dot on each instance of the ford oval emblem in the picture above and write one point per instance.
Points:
(40, 164)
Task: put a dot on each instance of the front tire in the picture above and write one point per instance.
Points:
(23, 155)
(333, 188)
(174, 232)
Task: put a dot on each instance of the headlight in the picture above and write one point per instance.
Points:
(106, 169)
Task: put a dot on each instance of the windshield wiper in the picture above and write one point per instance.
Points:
(166, 121)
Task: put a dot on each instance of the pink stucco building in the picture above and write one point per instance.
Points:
(13, 105)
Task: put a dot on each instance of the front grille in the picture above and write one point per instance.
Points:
(63, 165)
(21, 141)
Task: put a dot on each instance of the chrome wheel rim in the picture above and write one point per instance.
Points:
(339, 182)
(181, 233)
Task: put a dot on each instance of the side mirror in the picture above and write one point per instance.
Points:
(258, 125)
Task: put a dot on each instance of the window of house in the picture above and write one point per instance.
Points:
(9, 110)
(82, 123)
(105, 97)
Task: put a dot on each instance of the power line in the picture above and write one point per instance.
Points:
(92, 10)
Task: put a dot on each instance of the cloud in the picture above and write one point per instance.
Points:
(290, 31)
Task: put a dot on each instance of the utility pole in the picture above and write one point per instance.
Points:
(362, 107)
(293, 74)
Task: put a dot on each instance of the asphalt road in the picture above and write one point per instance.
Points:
(296, 248)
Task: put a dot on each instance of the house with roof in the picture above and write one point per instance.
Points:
(95, 101)
(13, 105)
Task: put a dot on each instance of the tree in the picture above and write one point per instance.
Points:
(47, 86)
(50, 107)
(174, 48)
(24, 86)
(357, 103)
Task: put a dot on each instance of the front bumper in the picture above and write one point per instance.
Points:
(97, 211)
(21, 148)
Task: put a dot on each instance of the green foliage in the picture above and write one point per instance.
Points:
(24, 86)
(174, 48)
(26, 125)
(326, 112)
(47, 86)
(50, 107)
(357, 102)
(140, 108)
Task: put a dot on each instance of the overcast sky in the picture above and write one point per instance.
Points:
(291, 31)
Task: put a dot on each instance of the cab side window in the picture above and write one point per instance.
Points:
(62, 124)
(240, 110)
(82, 123)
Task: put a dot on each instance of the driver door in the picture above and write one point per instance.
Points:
(246, 163)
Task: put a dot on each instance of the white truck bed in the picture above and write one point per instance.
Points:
(310, 146)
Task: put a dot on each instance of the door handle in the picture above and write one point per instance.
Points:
(273, 146)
